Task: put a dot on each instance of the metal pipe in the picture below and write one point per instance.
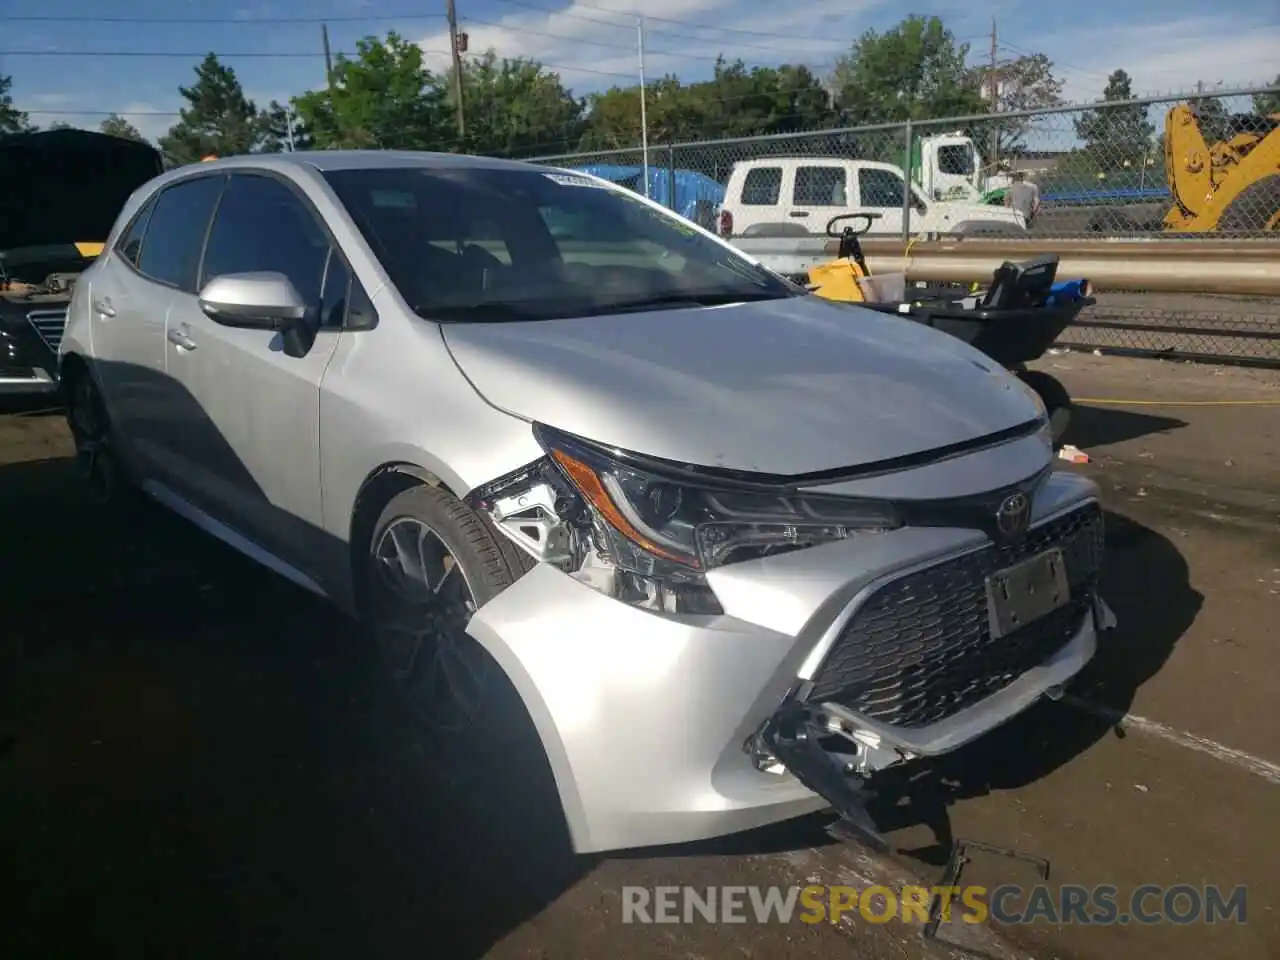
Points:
(1020, 249)
(1256, 273)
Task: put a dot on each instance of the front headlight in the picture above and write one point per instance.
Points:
(659, 522)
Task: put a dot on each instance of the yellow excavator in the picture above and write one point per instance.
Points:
(1231, 185)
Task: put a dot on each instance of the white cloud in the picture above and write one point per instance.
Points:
(594, 48)
(1168, 57)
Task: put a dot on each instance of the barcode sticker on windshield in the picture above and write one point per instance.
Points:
(565, 180)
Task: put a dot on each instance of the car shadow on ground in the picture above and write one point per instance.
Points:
(200, 760)
(1097, 426)
(38, 405)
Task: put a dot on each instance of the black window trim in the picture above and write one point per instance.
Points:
(155, 199)
(145, 210)
(334, 247)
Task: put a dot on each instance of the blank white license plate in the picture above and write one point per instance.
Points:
(1021, 594)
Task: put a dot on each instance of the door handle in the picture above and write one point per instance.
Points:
(799, 213)
(103, 308)
(180, 340)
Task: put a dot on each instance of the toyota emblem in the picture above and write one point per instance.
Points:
(1013, 515)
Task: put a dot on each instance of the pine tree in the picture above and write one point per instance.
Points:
(219, 121)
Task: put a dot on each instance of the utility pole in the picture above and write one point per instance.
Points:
(328, 60)
(644, 118)
(993, 79)
(451, 14)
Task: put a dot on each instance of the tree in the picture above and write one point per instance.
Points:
(12, 120)
(283, 130)
(1116, 136)
(736, 102)
(514, 108)
(61, 125)
(1265, 104)
(916, 71)
(613, 117)
(117, 126)
(218, 120)
(384, 97)
(1026, 83)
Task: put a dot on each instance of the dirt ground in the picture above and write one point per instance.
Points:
(197, 759)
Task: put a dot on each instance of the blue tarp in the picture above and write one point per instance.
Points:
(690, 186)
(1123, 195)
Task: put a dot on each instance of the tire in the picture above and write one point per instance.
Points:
(105, 477)
(458, 693)
(1057, 401)
(1255, 210)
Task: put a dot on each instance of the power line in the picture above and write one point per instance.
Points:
(386, 17)
(174, 54)
(261, 55)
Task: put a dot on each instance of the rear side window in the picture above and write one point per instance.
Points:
(820, 187)
(130, 243)
(762, 187)
(176, 231)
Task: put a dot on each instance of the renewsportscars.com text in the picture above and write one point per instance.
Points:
(1009, 904)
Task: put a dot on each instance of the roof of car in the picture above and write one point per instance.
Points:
(365, 160)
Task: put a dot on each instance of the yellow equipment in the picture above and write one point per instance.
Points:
(1230, 185)
(844, 277)
(839, 280)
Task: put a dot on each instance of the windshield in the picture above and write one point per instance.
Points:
(491, 244)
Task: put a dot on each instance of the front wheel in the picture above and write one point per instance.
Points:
(432, 562)
(1057, 402)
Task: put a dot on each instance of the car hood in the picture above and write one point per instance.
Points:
(63, 187)
(791, 386)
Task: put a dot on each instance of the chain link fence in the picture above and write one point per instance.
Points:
(1203, 164)
(1130, 168)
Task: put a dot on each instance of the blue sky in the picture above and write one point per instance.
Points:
(1166, 46)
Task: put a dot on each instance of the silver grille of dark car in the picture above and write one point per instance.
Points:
(49, 326)
(919, 649)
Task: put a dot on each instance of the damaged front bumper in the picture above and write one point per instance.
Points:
(833, 750)
(826, 664)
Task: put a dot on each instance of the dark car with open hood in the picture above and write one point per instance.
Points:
(60, 193)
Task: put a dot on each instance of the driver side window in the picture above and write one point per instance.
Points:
(880, 188)
(262, 225)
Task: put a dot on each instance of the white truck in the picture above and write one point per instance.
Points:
(948, 166)
(797, 196)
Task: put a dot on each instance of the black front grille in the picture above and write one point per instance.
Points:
(919, 649)
(49, 326)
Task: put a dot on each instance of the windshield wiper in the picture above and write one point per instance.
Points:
(676, 300)
(496, 312)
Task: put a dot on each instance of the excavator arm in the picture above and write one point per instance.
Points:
(1232, 184)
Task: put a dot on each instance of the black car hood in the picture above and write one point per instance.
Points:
(68, 186)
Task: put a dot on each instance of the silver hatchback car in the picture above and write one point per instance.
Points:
(588, 472)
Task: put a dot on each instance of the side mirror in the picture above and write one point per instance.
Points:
(255, 301)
